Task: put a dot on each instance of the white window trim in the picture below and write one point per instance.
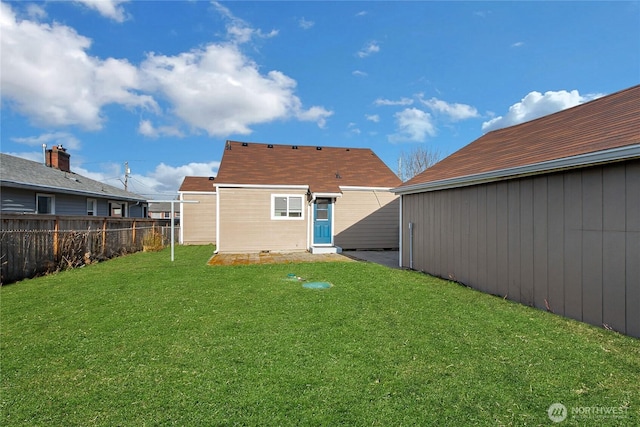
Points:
(287, 218)
(95, 206)
(53, 203)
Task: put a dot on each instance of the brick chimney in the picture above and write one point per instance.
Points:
(57, 157)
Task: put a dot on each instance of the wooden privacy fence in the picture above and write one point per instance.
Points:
(31, 245)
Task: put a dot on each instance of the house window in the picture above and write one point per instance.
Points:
(45, 204)
(92, 207)
(118, 209)
(285, 206)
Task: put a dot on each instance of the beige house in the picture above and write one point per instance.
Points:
(285, 198)
(198, 220)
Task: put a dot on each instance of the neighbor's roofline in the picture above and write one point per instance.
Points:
(589, 159)
(52, 189)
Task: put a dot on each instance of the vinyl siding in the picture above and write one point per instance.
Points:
(568, 240)
(198, 220)
(366, 220)
(246, 224)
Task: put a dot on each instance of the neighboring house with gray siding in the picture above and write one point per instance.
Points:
(546, 213)
(272, 197)
(51, 188)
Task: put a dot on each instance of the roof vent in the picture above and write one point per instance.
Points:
(294, 147)
(244, 144)
(348, 149)
(318, 148)
(270, 146)
(211, 178)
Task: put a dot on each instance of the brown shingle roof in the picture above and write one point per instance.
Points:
(197, 183)
(323, 169)
(609, 122)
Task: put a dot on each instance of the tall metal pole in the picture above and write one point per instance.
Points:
(172, 227)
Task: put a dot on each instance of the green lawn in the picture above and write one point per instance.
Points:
(140, 341)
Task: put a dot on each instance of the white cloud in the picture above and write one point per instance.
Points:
(314, 114)
(65, 139)
(359, 73)
(218, 89)
(370, 48)
(167, 179)
(352, 128)
(108, 8)
(536, 105)
(387, 102)
(36, 12)
(454, 111)
(372, 117)
(48, 76)
(305, 24)
(147, 128)
(413, 125)
(361, 13)
(163, 181)
(238, 29)
(517, 44)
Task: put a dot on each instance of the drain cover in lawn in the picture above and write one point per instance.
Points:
(317, 285)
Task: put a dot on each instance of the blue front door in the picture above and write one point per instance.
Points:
(322, 221)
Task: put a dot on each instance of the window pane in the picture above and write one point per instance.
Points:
(280, 206)
(295, 203)
(44, 204)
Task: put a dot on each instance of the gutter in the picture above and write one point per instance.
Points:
(582, 160)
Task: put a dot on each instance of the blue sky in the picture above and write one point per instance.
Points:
(163, 84)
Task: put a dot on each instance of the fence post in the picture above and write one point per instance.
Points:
(133, 233)
(56, 237)
(104, 236)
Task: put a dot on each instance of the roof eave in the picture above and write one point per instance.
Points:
(50, 189)
(589, 159)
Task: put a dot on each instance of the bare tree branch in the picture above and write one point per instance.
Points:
(416, 160)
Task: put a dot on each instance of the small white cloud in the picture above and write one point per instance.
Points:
(536, 105)
(111, 9)
(353, 129)
(389, 102)
(362, 13)
(36, 12)
(305, 24)
(65, 139)
(517, 44)
(146, 128)
(413, 125)
(315, 114)
(238, 29)
(359, 73)
(454, 111)
(372, 117)
(369, 49)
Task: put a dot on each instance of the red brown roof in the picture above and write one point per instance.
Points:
(323, 169)
(606, 123)
(197, 183)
